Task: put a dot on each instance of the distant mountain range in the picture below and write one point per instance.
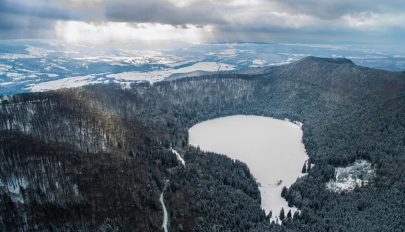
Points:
(97, 157)
(39, 65)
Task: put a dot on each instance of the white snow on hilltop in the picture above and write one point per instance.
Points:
(271, 148)
(159, 75)
(358, 174)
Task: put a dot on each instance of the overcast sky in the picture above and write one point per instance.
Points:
(198, 21)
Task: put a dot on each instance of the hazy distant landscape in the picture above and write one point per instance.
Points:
(40, 65)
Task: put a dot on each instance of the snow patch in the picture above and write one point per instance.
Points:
(52, 75)
(57, 66)
(69, 82)
(181, 160)
(258, 63)
(129, 57)
(181, 62)
(4, 68)
(15, 56)
(14, 185)
(15, 76)
(228, 53)
(37, 51)
(299, 124)
(282, 62)
(5, 84)
(358, 174)
(76, 190)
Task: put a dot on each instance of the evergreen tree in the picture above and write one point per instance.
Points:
(304, 168)
(282, 214)
(284, 192)
(296, 214)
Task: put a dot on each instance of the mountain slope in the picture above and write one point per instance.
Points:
(114, 145)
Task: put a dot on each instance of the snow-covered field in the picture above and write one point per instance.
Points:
(70, 82)
(127, 77)
(159, 75)
(272, 149)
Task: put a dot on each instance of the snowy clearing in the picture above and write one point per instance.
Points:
(357, 174)
(69, 82)
(271, 148)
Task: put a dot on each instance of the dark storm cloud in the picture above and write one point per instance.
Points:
(13, 21)
(38, 8)
(14, 26)
(35, 19)
(158, 11)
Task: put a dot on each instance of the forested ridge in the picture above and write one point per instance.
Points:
(96, 158)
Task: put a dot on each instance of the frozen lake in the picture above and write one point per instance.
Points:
(271, 148)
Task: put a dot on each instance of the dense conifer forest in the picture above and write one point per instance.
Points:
(97, 158)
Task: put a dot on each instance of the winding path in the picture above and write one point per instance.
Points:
(165, 214)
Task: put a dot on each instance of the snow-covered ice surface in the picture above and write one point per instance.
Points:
(271, 148)
(359, 173)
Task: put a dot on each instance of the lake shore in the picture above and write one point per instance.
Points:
(271, 148)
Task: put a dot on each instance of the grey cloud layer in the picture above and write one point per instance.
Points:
(40, 9)
(230, 18)
(332, 9)
(158, 11)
